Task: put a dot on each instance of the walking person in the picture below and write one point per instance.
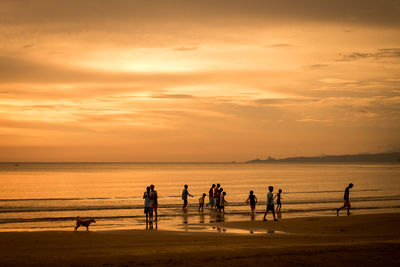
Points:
(148, 204)
(278, 200)
(253, 201)
(154, 198)
(185, 194)
(346, 199)
(201, 202)
(270, 203)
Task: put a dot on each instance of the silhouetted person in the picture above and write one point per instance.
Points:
(185, 194)
(216, 192)
(253, 201)
(201, 202)
(270, 203)
(154, 198)
(218, 200)
(346, 198)
(278, 200)
(201, 219)
(211, 201)
(185, 217)
(147, 204)
(222, 202)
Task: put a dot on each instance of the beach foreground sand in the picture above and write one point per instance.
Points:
(357, 240)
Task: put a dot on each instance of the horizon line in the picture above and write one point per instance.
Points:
(199, 162)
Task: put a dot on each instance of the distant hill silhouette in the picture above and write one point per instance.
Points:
(393, 157)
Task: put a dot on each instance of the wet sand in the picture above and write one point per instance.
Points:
(357, 240)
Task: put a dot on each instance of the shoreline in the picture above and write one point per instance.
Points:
(187, 221)
(236, 224)
(347, 240)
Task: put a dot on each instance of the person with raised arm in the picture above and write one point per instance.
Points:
(185, 194)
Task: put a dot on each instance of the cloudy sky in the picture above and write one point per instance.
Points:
(197, 80)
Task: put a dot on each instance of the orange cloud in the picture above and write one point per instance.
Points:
(197, 80)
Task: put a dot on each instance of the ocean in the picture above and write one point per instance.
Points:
(48, 196)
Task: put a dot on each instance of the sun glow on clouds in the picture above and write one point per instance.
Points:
(138, 61)
(169, 60)
(134, 83)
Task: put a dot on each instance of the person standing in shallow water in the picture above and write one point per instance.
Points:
(278, 200)
(218, 199)
(270, 203)
(211, 196)
(346, 199)
(222, 202)
(216, 191)
(185, 194)
(148, 204)
(154, 198)
(253, 201)
(201, 202)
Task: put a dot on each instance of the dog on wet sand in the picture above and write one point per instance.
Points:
(86, 223)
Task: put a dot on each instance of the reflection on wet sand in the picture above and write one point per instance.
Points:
(199, 221)
(189, 220)
(220, 217)
(201, 218)
(243, 231)
(279, 213)
(217, 217)
(219, 229)
(185, 217)
(151, 225)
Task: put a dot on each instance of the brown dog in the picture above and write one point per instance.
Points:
(85, 223)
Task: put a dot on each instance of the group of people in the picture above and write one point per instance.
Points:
(216, 198)
(150, 203)
(252, 199)
(217, 201)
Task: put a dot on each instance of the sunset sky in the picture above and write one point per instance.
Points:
(197, 80)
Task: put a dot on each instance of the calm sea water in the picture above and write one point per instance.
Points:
(48, 196)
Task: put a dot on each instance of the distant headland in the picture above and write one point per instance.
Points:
(393, 157)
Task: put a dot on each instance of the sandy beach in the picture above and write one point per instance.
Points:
(357, 240)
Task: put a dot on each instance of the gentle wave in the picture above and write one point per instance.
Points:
(173, 196)
(194, 214)
(179, 205)
(63, 199)
(333, 191)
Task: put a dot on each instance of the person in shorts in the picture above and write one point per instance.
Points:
(154, 198)
(185, 194)
(222, 202)
(253, 201)
(148, 204)
(201, 202)
(270, 203)
(346, 200)
(278, 200)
